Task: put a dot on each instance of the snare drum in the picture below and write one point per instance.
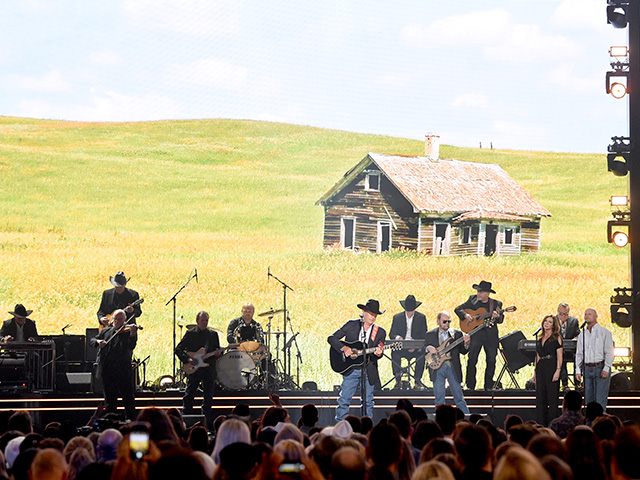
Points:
(236, 370)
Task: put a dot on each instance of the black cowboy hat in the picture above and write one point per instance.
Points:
(483, 286)
(20, 311)
(119, 279)
(372, 306)
(410, 303)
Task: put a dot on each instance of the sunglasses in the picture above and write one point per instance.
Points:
(446, 321)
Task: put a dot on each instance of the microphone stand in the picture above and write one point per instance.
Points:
(286, 363)
(363, 375)
(174, 299)
(583, 367)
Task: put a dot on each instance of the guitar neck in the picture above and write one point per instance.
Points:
(457, 342)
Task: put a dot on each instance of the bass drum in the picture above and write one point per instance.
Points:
(236, 370)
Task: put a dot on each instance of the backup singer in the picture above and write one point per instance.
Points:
(370, 334)
(20, 328)
(114, 365)
(196, 338)
(408, 325)
(597, 344)
(245, 328)
(548, 365)
(119, 297)
(451, 370)
(569, 329)
(487, 337)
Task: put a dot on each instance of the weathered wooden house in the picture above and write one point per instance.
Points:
(439, 206)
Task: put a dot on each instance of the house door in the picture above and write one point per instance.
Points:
(441, 240)
(491, 235)
(384, 237)
(348, 233)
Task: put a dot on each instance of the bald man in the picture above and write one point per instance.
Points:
(594, 358)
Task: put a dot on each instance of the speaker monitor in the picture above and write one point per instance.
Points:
(516, 359)
(620, 382)
(79, 382)
(69, 348)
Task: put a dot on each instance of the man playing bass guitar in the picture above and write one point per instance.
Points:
(197, 338)
(371, 336)
(451, 369)
(480, 304)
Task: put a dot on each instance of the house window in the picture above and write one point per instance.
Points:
(469, 234)
(508, 236)
(348, 233)
(372, 182)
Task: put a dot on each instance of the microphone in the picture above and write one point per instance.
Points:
(268, 272)
(66, 326)
(195, 274)
(537, 331)
(583, 324)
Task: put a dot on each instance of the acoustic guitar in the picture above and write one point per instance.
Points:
(435, 360)
(479, 316)
(110, 316)
(344, 365)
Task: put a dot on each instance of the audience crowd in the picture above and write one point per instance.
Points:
(405, 446)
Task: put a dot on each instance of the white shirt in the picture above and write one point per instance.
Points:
(365, 334)
(409, 325)
(598, 347)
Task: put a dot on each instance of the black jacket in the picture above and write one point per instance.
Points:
(119, 352)
(350, 332)
(194, 340)
(573, 329)
(9, 327)
(111, 302)
(434, 340)
(399, 326)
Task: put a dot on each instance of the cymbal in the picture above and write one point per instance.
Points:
(270, 312)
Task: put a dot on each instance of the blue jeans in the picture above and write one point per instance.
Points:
(350, 383)
(446, 372)
(596, 388)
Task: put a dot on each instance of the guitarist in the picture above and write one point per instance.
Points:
(119, 297)
(487, 337)
(196, 338)
(371, 335)
(450, 370)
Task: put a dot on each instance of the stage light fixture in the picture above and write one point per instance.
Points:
(621, 351)
(616, 83)
(617, 14)
(618, 90)
(163, 382)
(620, 51)
(617, 163)
(620, 239)
(619, 201)
(622, 307)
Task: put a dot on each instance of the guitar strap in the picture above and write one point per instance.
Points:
(374, 333)
(491, 305)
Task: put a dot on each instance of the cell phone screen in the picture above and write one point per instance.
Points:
(138, 444)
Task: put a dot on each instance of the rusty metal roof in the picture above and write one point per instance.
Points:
(449, 186)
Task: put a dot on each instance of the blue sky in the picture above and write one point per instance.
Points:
(522, 74)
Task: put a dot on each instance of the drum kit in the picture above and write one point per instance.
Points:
(250, 365)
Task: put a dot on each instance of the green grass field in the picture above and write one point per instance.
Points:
(80, 201)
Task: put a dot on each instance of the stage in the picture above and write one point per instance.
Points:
(79, 407)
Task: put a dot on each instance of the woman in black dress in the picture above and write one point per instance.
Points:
(547, 370)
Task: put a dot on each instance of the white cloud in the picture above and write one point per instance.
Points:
(107, 106)
(51, 82)
(495, 33)
(566, 78)
(192, 17)
(211, 73)
(471, 100)
(105, 58)
(590, 14)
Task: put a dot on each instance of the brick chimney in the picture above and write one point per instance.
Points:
(432, 146)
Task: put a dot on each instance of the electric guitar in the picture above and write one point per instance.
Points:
(479, 316)
(344, 365)
(200, 356)
(435, 360)
(110, 316)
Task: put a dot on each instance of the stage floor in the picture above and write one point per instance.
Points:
(79, 407)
